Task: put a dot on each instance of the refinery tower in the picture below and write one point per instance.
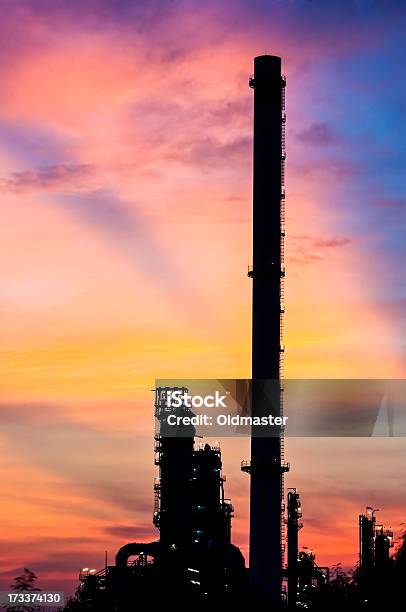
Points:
(267, 467)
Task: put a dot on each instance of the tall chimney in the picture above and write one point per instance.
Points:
(266, 466)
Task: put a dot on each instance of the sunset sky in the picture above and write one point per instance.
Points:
(125, 194)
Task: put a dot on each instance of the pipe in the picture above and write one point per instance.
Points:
(136, 548)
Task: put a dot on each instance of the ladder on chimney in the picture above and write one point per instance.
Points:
(282, 306)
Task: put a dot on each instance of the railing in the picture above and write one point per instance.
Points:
(157, 501)
(214, 447)
(228, 506)
(86, 572)
(246, 466)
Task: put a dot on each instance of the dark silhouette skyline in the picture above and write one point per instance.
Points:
(194, 554)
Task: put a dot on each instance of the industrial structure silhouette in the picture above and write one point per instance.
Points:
(194, 559)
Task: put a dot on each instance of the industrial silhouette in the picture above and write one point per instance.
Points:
(194, 560)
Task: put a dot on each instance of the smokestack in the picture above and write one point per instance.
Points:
(266, 467)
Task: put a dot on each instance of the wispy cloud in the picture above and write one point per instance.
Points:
(53, 177)
(309, 249)
(320, 134)
(130, 533)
